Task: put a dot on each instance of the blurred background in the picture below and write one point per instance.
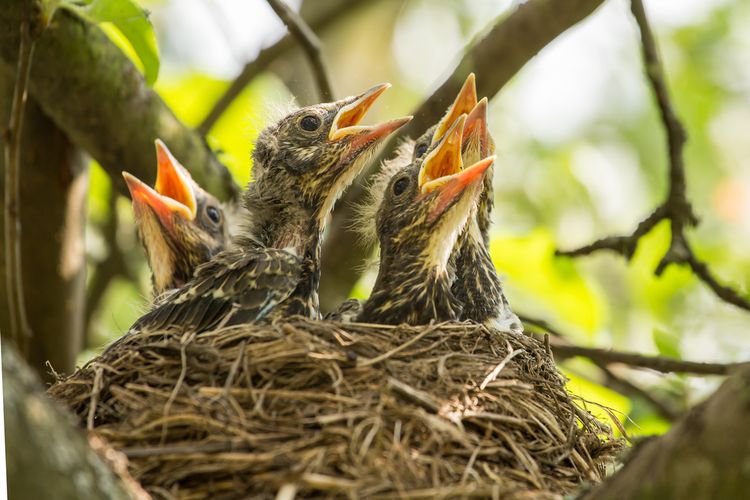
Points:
(581, 155)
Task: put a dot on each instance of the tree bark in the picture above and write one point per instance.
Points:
(495, 59)
(54, 184)
(93, 92)
(46, 456)
(703, 457)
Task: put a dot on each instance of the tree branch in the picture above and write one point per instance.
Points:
(676, 207)
(77, 55)
(19, 323)
(47, 444)
(310, 45)
(495, 58)
(625, 386)
(612, 380)
(561, 346)
(702, 457)
(657, 363)
(270, 54)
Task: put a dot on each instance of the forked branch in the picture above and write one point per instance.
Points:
(676, 208)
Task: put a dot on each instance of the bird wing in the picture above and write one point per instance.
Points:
(235, 286)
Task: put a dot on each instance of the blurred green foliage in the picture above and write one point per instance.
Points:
(581, 155)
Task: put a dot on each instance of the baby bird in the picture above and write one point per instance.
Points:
(409, 152)
(302, 164)
(418, 225)
(180, 225)
(477, 285)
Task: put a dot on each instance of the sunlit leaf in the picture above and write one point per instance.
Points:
(667, 343)
(132, 22)
(531, 265)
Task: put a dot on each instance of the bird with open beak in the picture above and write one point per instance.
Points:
(180, 225)
(418, 224)
(409, 152)
(477, 284)
(302, 164)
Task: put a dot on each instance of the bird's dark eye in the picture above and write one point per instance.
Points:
(213, 214)
(400, 185)
(310, 123)
(420, 150)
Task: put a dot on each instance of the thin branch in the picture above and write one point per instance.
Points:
(19, 323)
(724, 292)
(539, 323)
(248, 73)
(657, 363)
(561, 346)
(676, 207)
(625, 386)
(612, 380)
(623, 245)
(310, 45)
(264, 59)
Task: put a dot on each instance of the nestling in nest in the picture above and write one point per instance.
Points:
(280, 406)
(324, 408)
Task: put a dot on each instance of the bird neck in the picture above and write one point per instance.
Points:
(298, 231)
(477, 285)
(485, 203)
(408, 291)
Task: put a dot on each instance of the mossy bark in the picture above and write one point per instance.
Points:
(95, 94)
(46, 456)
(53, 192)
(705, 456)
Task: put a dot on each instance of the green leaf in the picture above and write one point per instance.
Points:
(667, 343)
(132, 22)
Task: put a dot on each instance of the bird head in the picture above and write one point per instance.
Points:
(426, 214)
(464, 103)
(473, 144)
(310, 156)
(180, 225)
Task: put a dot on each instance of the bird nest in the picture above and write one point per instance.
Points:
(316, 408)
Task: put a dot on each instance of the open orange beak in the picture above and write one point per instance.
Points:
(346, 122)
(174, 182)
(444, 160)
(465, 101)
(452, 187)
(145, 197)
(476, 132)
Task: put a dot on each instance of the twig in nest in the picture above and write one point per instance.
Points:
(310, 45)
(96, 390)
(496, 371)
(400, 348)
(19, 322)
(676, 207)
(421, 398)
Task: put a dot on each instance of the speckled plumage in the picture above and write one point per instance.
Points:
(274, 268)
(417, 232)
(477, 284)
